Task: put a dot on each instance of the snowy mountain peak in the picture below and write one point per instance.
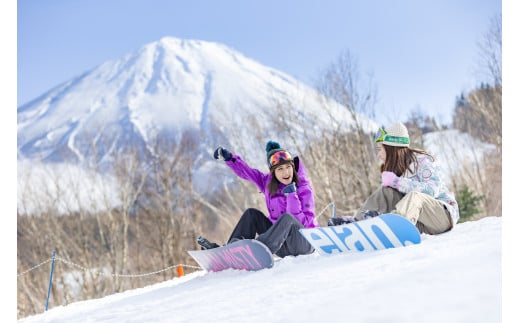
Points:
(167, 86)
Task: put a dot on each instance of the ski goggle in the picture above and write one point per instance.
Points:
(380, 135)
(278, 157)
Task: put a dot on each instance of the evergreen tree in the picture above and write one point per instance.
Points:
(468, 203)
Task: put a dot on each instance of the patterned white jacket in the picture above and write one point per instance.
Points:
(426, 178)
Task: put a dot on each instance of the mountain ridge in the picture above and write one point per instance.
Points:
(168, 86)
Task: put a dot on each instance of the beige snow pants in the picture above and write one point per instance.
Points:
(428, 214)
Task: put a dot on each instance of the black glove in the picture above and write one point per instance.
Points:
(291, 188)
(222, 153)
(340, 220)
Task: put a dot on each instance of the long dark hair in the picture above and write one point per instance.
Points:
(275, 183)
(399, 159)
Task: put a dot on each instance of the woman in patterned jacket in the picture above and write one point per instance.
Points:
(289, 199)
(411, 185)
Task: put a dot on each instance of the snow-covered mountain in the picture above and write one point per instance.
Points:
(165, 88)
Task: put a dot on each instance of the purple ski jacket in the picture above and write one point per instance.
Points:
(300, 203)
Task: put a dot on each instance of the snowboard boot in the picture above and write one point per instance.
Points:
(340, 220)
(205, 244)
(370, 214)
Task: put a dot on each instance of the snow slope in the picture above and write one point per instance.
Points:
(452, 277)
(457, 151)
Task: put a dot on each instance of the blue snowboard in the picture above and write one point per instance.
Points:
(381, 232)
(243, 254)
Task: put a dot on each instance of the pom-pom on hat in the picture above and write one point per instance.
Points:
(276, 155)
(395, 135)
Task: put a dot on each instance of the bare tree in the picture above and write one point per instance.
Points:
(480, 114)
(487, 103)
(102, 242)
(352, 157)
(340, 158)
(490, 52)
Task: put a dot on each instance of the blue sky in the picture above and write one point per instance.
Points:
(420, 53)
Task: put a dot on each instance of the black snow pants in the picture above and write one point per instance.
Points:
(281, 237)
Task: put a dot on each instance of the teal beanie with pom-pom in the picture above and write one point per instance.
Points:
(276, 155)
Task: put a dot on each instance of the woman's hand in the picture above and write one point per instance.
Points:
(222, 153)
(291, 188)
(390, 179)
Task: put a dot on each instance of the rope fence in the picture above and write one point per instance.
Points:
(333, 207)
(128, 275)
(70, 263)
(34, 267)
(178, 267)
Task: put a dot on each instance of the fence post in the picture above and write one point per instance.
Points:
(50, 280)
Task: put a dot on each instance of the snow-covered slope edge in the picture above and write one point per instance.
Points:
(452, 277)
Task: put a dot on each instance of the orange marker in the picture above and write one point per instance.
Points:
(180, 271)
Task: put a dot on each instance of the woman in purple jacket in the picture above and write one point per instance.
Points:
(289, 199)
